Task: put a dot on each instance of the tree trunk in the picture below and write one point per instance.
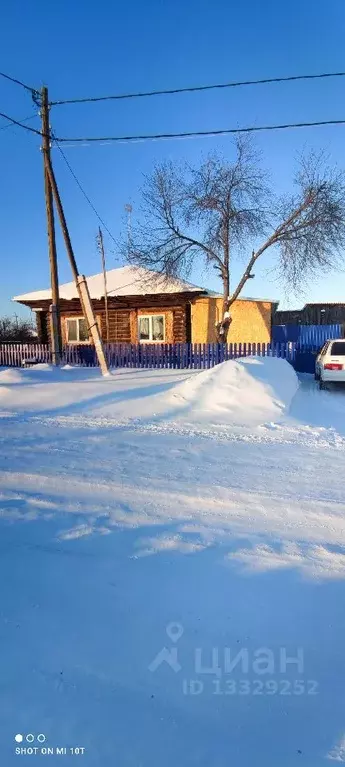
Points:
(222, 327)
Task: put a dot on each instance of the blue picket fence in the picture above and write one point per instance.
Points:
(193, 356)
(179, 356)
(173, 356)
(309, 335)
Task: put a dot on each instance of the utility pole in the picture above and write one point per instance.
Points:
(55, 305)
(80, 279)
(101, 250)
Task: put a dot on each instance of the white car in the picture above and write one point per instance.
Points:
(330, 363)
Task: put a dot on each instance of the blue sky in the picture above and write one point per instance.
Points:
(107, 47)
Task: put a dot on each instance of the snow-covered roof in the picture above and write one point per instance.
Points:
(341, 302)
(128, 281)
(125, 281)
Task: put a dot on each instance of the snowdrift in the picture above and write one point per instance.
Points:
(245, 392)
(11, 376)
(23, 375)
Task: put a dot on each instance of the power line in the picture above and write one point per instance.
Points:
(20, 124)
(12, 121)
(189, 134)
(87, 198)
(193, 89)
(193, 134)
(23, 120)
(18, 82)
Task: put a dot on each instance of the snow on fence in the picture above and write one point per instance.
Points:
(180, 356)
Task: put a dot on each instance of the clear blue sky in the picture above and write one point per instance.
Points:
(82, 49)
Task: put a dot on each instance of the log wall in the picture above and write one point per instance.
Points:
(123, 318)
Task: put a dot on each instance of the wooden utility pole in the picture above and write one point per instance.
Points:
(101, 250)
(80, 279)
(54, 278)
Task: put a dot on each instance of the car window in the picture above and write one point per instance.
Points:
(324, 349)
(338, 348)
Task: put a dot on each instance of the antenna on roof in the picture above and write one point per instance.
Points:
(129, 209)
(100, 245)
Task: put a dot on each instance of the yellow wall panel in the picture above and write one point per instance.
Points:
(251, 320)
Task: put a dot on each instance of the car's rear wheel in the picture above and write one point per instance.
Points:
(322, 384)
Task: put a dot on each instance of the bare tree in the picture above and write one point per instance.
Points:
(212, 211)
(16, 330)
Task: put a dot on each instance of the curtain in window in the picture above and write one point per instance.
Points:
(83, 331)
(157, 328)
(72, 330)
(144, 328)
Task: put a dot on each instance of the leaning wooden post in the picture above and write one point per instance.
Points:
(86, 302)
(80, 280)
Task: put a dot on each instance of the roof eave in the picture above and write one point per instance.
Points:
(36, 302)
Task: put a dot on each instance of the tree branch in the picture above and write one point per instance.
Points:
(274, 238)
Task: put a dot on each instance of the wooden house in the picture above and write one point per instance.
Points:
(146, 307)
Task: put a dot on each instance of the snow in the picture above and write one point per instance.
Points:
(156, 524)
(129, 281)
(124, 281)
(242, 393)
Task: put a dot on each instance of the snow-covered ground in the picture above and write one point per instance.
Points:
(202, 513)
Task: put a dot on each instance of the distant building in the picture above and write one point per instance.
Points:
(312, 314)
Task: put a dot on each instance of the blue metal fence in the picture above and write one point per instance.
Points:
(310, 335)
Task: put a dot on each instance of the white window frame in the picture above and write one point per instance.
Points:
(71, 319)
(149, 317)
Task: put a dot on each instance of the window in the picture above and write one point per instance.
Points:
(151, 327)
(77, 332)
(338, 348)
